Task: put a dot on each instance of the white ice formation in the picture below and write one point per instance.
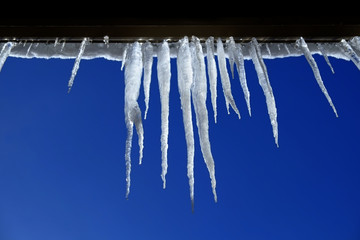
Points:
(193, 72)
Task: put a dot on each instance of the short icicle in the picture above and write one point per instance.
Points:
(350, 53)
(185, 81)
(236, 52)
(212, 72)
(225, 80)
(133, 73)
(265, 85)
(322, 50)
(304, 48)
(199, 93)
(76, 66)
(164, 76)
(5, 52)
(148, 62)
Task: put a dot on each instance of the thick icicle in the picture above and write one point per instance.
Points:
(164, 76)
(322, 50)
(84, 42)
(185, 81)
(265, 85)
(148, 61)
(350, 53)
(133, 72)
(5, 52)
(199, 93)
(239, 61)
(225, 80)
(304, 48)
(212, 72)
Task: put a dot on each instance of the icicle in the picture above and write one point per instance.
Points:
(303, 46)
(350, 53)
(212, 72)
(84, 42)
(265, 85)
(124, 56)
(199, 93)
(322, 50)
(239, 60)
(230, 45)
(106, 41)
(5, 52)
(185, 81)
(28, 50)
(133, 72)
(148, 61)
(164, 76)
(225, 81)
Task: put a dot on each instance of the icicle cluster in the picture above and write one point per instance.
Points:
(193, 77)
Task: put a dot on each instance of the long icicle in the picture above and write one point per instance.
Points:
(199, 93)
(185, 81)
(164, 76)
(133, 72)
(225, 80)
(265, 85)
(76, 66)
(304, 48)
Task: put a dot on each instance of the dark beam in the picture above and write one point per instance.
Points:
(130, 29)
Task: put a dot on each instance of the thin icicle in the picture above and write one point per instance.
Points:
(124, 56)
(304, 48)
(212, 72)
(164, 76)
(350, 53)
(322, 50)
(225, 80)
(265, 85)
(148, 62)
(5, 52)
(239, 61)
(230, 45)
(199, 93)
(28, 50)
(185, 81)
(133, 72)
(84, 42)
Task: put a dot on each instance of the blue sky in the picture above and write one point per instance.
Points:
(62, 169)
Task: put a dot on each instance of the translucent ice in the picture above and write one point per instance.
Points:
(265, 85)
(212, 72)
(225, 80)
(164, 76)
(148, 62)
(185, 81)
(5, 52)
(133, 72)
(303, 46)
(84, 42)
(199, 92)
